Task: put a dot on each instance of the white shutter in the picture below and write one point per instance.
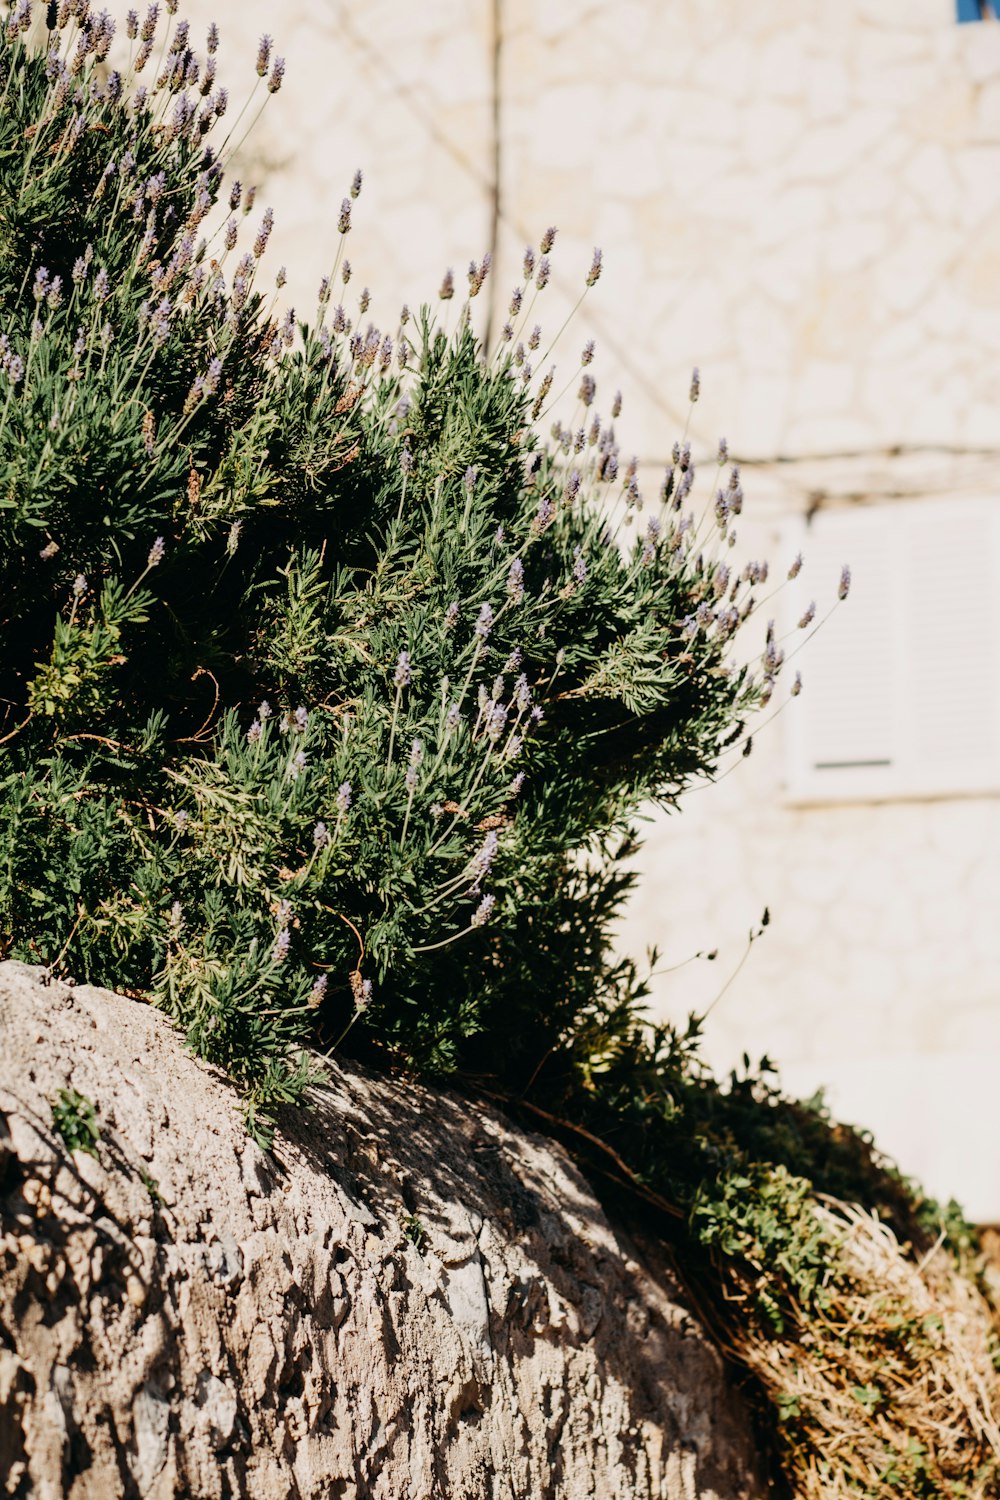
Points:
(901, 692)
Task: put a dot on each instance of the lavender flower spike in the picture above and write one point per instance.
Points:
(483, 911)
(485, 622)
(484, 857)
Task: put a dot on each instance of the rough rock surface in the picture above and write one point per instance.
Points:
(410, 1299)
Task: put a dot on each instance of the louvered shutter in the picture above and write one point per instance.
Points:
(902, 684)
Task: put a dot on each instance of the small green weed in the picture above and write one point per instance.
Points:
(75, 1118)
(415, 1232)
(152, 1187)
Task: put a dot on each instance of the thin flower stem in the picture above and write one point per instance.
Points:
(433, 947)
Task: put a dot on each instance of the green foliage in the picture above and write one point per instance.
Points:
(152, 1187)
(75, 1118)
(415, 1232)
(330, 684)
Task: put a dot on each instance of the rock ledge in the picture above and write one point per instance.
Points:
(411, 1299)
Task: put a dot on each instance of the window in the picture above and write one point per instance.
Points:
(901, 692)
(976, 10)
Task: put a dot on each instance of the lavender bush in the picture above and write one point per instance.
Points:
(322, 667)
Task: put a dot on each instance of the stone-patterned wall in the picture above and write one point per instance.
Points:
(804, 199)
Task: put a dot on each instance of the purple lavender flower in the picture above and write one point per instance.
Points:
(343, 797)
(484, 624)
(515, 581)
(451, 615)
(579, 565)
(453, 718)
(496, 722)
(481, 861)
(544, 516)
(843, 588)
(318, 991)
(265, 711)
(264, 233)
(695, 390)
(254, 732)
(160, 322)
(517, 784)
(321, 836)
(277, 77)
(403, 670)
(263, 55)
(156, 552)
(210, 381)
(483, 911)
(593, 275)
(298, 764)
(280, 950)
(79, 586)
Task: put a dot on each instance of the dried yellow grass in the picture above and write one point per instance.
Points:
(891, 1390)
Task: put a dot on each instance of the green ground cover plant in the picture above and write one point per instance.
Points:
(335, 669)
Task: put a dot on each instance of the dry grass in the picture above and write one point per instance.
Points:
(891, 1390)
